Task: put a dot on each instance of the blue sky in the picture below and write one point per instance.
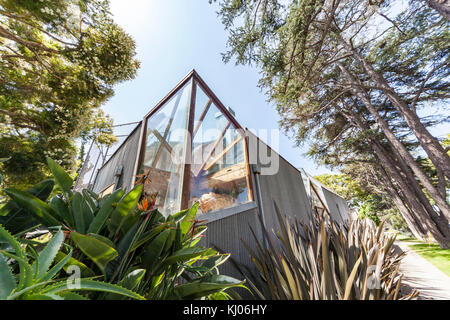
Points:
(176, 36)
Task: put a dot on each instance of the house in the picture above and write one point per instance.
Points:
(194, 150)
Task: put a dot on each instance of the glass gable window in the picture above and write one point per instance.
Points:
(218, 171)
(193, 152)
(165, 149)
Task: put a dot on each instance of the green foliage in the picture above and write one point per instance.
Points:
(351, 92)
(369, 209)
(1, 176)
(59, 61)
(126, 244)
(36, 281)
(369, 201)
(17, 218)
(325, 261)
(346, 187)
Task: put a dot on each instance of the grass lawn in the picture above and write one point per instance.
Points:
(440, 258)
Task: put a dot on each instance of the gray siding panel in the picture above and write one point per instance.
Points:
(226, 234)
(287, 189)
(125, 156)
(332, 201)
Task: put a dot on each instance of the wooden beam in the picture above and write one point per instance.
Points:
(216, 143)
(202, 117)
(164, 143)
(171, 93)
(215, 100)
(207, 167)
(186, 182)
(248, 171)
(166, 132)
(320, 199)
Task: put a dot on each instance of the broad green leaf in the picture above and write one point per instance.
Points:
(48, 254)
(215, 261)
(43, 189)
(92, 285)
(38, 296)
(127, 240)
(170, 239)
(38, 208)
(132, 279)
(87, 211)
(144, 238)
(103, 239)
(61, 177)
(91, 193)
(186, 254)
(7, 281)
(130, 282)
(71, 296)
(40, 190)
(56, 268)
(188, 219)
(206, 286)
(125, 207)
(25, 273)
(77, 209)
(154, 249)
(92, 202)
(129, 221)
(96, 250)
(104, 212)
(62, 209)
(85, 271)
(16, 218)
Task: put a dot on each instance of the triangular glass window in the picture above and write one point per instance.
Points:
(165, 150)
(218, 169)
(210, 168)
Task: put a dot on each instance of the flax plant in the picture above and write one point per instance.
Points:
(325, 261)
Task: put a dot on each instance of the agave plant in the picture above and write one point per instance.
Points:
(323, 260)
(36, 279)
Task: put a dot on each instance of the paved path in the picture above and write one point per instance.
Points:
(420, 274)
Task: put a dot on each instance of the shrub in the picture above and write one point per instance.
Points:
(323, 260)
(121, 238)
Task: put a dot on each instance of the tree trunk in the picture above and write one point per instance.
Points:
(415, 227)
(441, 6)
(423, 218)
(397, 145)
(430, 144)
(422, 215)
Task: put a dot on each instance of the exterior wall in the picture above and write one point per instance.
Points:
(226, 233)
(336, 205)
(333, 204)
(286, 188)
(124, 156)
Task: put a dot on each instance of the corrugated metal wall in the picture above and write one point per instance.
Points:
(124, 156)
(286, 188)
(338, 206)
(226, 235)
